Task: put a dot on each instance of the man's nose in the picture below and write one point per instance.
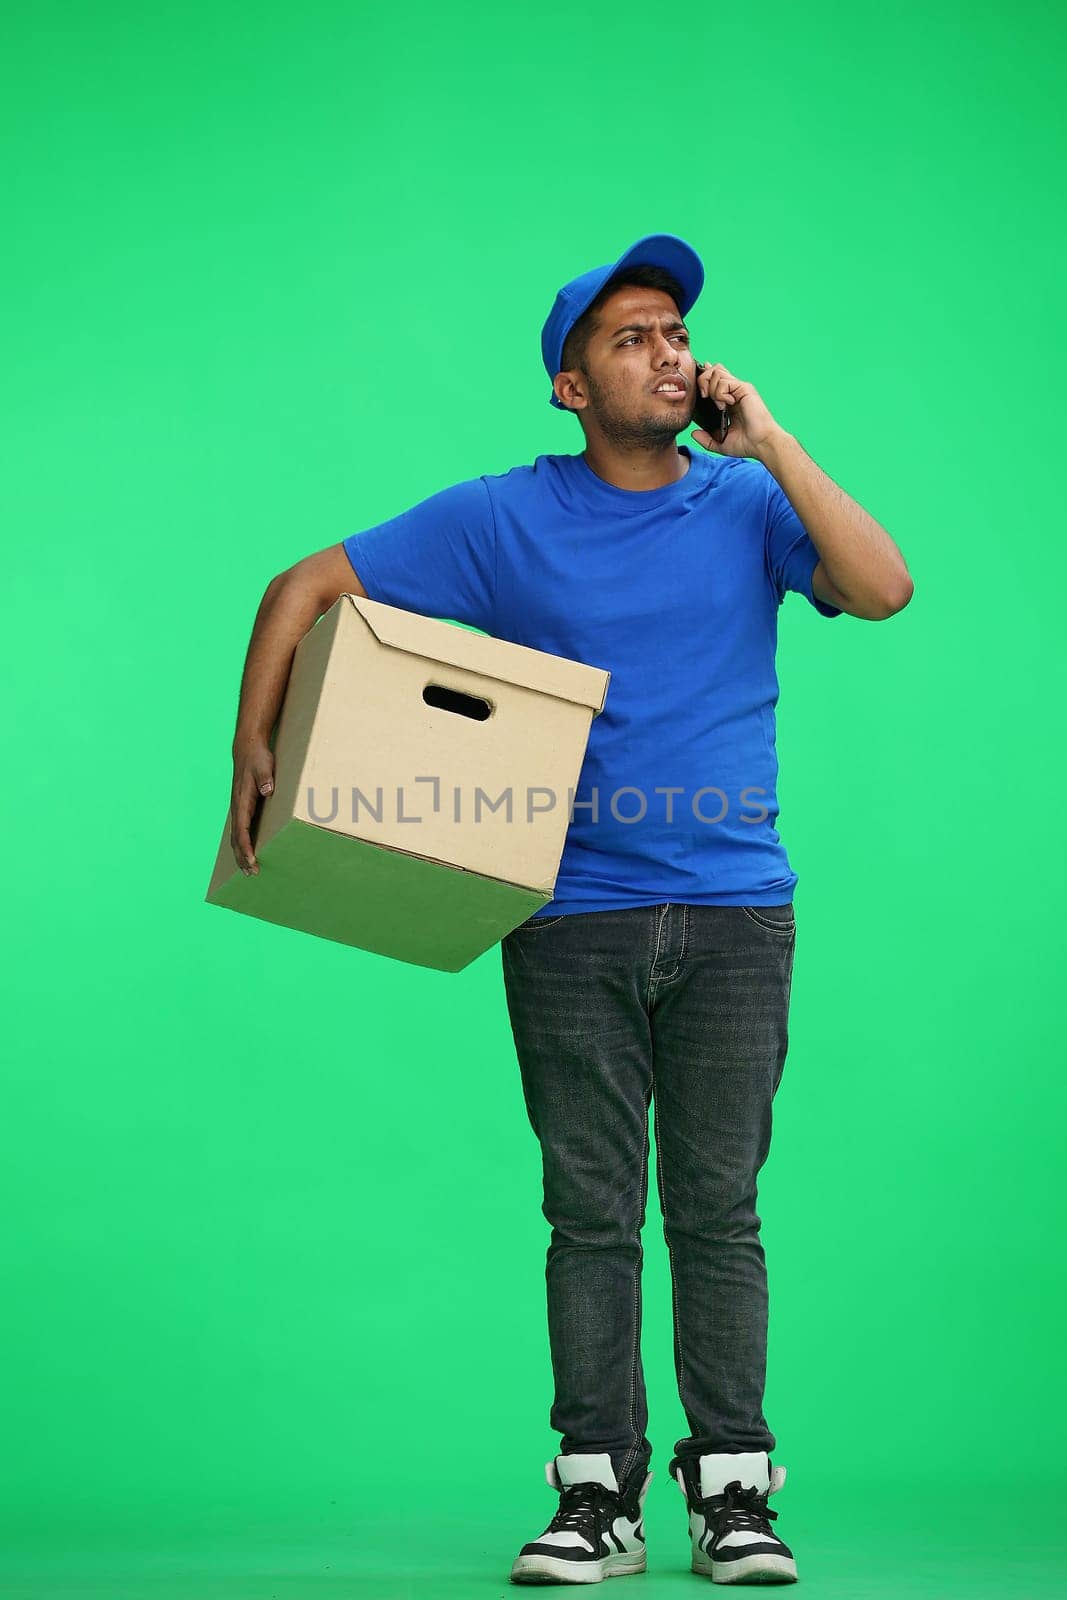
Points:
(666, 354)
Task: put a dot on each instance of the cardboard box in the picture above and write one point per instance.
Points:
(392, 726)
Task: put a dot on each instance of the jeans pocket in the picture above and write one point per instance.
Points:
(776, 919)
(535, 924)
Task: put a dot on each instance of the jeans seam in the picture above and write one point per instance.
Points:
(652, 979)
(670, 1259)
(682, 947)
(788, 993)
(631, 1454)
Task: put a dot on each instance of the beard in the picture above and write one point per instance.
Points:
(647, 429)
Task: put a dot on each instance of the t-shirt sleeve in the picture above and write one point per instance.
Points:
(437, 558)
(791, 556)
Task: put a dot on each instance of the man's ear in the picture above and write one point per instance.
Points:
(569, 391)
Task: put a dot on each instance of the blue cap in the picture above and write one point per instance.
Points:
(654, 250)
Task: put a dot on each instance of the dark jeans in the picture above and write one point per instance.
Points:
(607, 1007)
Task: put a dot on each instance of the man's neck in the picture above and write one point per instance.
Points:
(637, 469)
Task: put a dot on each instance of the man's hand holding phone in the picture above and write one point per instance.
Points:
(731, 417)
(709, 417)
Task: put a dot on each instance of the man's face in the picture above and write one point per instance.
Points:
(640, 344)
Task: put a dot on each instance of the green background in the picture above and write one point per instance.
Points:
(272, 1246)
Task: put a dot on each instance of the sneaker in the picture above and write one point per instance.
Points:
(729, 1520)
(597, 1531)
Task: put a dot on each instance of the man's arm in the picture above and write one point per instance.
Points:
(860, 569)
(292, 602)
(825, 590)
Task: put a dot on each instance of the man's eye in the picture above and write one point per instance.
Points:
(633, 336)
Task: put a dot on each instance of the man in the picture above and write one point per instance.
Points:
(664, 962)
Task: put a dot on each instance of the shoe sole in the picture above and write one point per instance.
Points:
(546, 1569)
(753, 1569)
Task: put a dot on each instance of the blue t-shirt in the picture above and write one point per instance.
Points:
(676, 592)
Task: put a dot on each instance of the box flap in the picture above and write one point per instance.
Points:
(481, 653)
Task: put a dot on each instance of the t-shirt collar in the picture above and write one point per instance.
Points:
(635, 499)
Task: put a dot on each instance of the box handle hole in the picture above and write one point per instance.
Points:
(464, 705)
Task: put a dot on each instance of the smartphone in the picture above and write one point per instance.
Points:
(707, 415)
